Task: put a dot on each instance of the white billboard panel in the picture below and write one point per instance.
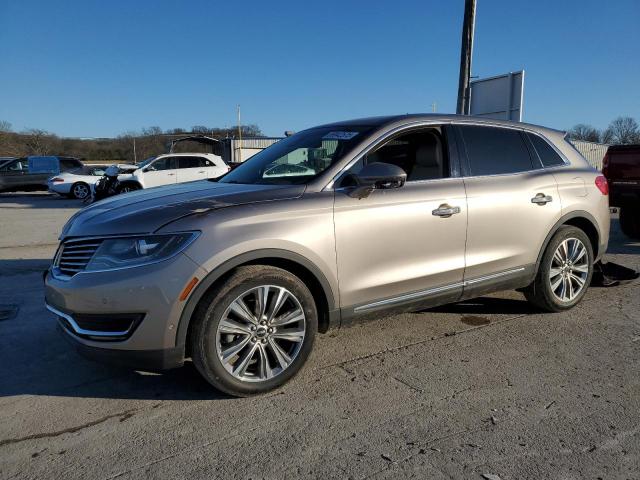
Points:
(498, 97)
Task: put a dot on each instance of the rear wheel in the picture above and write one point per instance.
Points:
(254, 331)
(80, 190)
(564, 272)
(630, 222)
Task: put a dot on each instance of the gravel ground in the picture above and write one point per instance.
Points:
(480, 388)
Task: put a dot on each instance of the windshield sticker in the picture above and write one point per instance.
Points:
(340, 135)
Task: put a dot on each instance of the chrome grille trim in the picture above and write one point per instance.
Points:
(75, 255)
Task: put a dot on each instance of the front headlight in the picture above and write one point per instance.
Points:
(114, 253)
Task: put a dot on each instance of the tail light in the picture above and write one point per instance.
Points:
(602, 184)
(57, 180)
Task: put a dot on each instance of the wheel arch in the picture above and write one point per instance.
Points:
(316, 281)
(580, 219)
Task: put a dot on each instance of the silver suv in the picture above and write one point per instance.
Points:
(365, 218)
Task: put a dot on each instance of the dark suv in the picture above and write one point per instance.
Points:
(32, 173)
(621, 166)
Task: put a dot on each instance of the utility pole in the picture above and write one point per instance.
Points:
(135, 156)
(466, 52)
(239, 137)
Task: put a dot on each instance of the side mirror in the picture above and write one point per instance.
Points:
(377, 176)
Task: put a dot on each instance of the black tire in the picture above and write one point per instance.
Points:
(540, 292)
(80, 191)
(209, 313)
(128, 187)
(630, 222)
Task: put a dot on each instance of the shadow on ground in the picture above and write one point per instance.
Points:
(39, 200)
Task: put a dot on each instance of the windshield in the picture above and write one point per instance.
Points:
(297, 159)
(146, 162)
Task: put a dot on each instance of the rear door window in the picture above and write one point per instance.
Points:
(548, 156)
(495, 150)
(190, 162)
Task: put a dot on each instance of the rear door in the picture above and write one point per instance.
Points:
(191, 168)
(513, 203)
(161, 172)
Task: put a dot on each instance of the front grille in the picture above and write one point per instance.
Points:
(75, 255)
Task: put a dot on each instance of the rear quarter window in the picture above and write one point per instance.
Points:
(548, 156)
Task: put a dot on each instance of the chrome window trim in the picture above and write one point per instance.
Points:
(425, 293)
(457, 122)
(81, 331)
(58, 276)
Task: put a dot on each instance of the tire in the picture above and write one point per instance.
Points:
(217, 328)
(80, 190)
(630, 222)
(128, 187)
(545, 292)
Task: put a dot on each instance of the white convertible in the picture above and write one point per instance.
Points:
(76, 183)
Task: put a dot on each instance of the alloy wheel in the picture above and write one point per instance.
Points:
(80, 191)
(569, 269)
(261, 333)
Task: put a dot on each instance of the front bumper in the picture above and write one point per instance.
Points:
(151, 291)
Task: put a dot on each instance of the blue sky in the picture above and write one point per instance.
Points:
(100, 68)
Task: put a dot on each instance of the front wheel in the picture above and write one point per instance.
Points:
(253, 332)
(564, 272)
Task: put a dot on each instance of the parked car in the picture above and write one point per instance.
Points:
(172, 168)
(621, 166)
(401, 214)
(76, 183)
(32, 173)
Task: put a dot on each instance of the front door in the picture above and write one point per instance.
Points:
(401, 248)
(161, 172)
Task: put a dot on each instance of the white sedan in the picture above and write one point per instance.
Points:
(76, 183)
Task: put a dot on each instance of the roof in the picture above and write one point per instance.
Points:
(432, 117)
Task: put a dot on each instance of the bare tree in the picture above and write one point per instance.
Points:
(584, 132)
(5, 126)
(200, 129)
(40, 142)
(623, 131)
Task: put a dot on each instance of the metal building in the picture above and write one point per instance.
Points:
(593, 152)
(235, 150)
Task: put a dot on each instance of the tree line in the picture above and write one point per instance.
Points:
(124, 148)
(621, 131)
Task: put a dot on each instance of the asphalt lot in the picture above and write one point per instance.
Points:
(482, 387)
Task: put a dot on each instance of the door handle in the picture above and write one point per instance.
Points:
(445, 211)
(170, 174)
(202, 171)
(542, 199)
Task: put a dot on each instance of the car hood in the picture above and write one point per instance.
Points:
(145, 211)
